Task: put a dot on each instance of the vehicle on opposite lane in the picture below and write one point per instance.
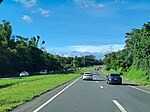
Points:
(87, 76)
(24, 73)
(113, 79)
(43, 72)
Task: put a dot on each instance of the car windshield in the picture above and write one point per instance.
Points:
(87, 73)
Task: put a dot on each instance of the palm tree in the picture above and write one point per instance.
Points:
(1, 1)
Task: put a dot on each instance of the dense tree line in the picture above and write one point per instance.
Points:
(136, 52)
(18, 54)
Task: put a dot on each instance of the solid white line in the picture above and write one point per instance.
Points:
(119, 106)
(39, 108)
(140, 89)
(101, 87)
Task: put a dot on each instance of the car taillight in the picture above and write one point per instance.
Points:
(110, 78)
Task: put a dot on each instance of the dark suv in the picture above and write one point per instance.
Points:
(113, 79)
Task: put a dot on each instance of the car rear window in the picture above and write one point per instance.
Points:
(114, 75)
(87, 73)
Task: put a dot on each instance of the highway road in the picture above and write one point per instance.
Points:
(97, 96)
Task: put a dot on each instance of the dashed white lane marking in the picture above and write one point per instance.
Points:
(140, 89)
(101, 87)
(119, 106)
(39, 108)
(97, 81)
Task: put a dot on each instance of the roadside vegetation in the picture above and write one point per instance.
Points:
(19, 54)
(133, 75)
(14, 92)
(134, 60)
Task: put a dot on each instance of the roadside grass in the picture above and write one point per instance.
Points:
(137, 76)
(14, 92)
(105, 72)
(133, 75)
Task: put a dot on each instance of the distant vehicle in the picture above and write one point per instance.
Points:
(43, 72)
(24, 73)
(69, 69)
(97, 69)
(113, 79)
(87, 76)
(51, 72)
(79, 68)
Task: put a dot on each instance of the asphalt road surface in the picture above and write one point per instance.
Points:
(97, 96)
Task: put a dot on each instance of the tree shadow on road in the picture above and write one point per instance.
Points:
(97, 80)
(129, 84)
(97, 74)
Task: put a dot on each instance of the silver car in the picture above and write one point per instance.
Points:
(87, 76)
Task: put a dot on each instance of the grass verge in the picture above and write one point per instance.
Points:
(14, 92)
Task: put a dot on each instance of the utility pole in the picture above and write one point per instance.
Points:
(111, 49)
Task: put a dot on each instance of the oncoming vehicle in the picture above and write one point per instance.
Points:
(24, 73)
(43, 72)
(113, 79)
(87, 76)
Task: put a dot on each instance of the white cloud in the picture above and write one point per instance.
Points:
(89, 4)
(27, 3)
(138, 7)
(45, 13)
(89, 48)
(101, 48)
(81, 50)
(27, 19)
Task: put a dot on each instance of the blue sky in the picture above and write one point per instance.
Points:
(76, 25)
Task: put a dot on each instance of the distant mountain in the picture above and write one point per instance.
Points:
(98, 51)
(98, 55)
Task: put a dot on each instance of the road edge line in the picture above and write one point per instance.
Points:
(119, 106)
(140, 89)
(43, 105)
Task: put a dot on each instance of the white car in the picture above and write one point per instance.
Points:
(24, 73)
(87, 76)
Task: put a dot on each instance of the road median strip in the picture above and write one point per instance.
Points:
(39, 108)
(26, 89)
